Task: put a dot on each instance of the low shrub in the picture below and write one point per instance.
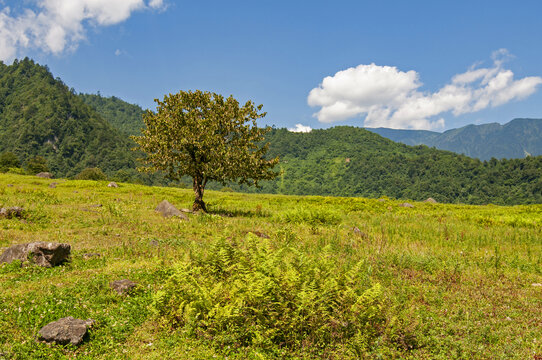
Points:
(252, 295)
(91, 174)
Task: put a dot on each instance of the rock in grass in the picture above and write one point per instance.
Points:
(88, 256)
(45, 254)
(45, 175)
(260, 234)
(12, 212)
(430, 200)
(113, 184)
(407, 205)
(53, 185)
(167, 210)
(65, 331)
(123, 287)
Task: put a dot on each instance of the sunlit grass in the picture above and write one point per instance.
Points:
(457, 280)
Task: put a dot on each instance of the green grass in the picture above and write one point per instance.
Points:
(454, 281)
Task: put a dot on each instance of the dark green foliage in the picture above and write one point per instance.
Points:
(37, 164)
(254, 295)
(349, 161)
(123, 116)
(91, 174)
(517, 139)
(39, 115)
(8, 160)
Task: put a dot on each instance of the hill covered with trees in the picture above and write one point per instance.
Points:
(516, 139)
(350, 161)
(41, 116)
(123, 116)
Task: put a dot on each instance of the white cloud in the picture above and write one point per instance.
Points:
(388, 97)
(118, 52)
(58, 25)
(300, 128)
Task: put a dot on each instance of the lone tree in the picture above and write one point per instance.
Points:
(207, 137)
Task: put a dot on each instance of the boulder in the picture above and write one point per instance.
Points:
(45, 175)
(407, 205)
(46, 254)
(123, 287)
(167, 210)
(65, 331)
(112, 184)
(430, 200)
(53, 185)
(12, 212)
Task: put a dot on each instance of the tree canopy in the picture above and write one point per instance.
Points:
(207, 137)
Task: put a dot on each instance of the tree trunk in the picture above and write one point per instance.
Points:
(199, 186)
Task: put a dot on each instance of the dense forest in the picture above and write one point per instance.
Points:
(41, 118)
(123, 116)
(350, 161)
(40, 115)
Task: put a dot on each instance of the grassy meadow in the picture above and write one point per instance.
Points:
(271, 276)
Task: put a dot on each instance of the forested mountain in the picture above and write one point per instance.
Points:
(350, 161)
(513, 140)
(124, 116)
(40, 115)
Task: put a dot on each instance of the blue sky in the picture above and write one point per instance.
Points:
(404, 64)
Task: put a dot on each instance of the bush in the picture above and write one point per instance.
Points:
(272, 300)
(8, 160)
(91, 174)
(36, 165)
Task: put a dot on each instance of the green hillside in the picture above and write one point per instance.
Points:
(40, 115)
(517, 139)
(123, 116)
(350, 161)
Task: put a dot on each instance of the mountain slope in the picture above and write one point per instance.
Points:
(516, 139)
(39, 115)
(123, 116)
(349, 161)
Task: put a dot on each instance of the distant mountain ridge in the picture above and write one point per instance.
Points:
(513, 140)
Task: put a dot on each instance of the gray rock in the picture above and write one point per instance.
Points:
(167, 210)
(358, 232)
(12, 212)
(260, 234)
(91, 255)
(112, 184)
(53, 185)
(46, 254)
(123, 287)
(45, 175)
(65, 331)
(430, 200)
(407, 205)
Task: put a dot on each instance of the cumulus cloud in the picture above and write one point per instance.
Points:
(300, 128)
(54, 26)
(389, 97)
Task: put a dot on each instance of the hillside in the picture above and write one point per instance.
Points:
(40, 115)
(270, 276)
(513, 140)
(349, 161)
(123, 116)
